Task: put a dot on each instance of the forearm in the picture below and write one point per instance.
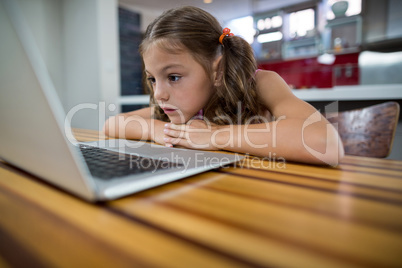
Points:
(133, 127)
(292, 139)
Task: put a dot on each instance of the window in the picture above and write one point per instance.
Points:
(270, 28)
(301, 22)
(269, 23)
(243, 27)
(269, 37)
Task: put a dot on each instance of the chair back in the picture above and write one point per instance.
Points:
(368, 131)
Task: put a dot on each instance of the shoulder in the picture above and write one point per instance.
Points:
(271, 86)
(278, 98)
(276, 95)
(266, 75)
(268, 81)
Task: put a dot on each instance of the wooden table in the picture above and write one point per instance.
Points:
(260, 215)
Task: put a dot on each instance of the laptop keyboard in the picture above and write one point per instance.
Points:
(106, 164)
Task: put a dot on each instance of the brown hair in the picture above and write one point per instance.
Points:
(196, 31)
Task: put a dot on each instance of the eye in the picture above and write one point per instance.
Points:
(174, 78)
(151, 80)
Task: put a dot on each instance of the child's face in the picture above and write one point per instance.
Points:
(180, 84)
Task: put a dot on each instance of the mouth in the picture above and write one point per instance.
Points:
(168, 110)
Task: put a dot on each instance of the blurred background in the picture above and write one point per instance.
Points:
(326, 50)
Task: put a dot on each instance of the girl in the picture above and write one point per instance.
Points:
(206, 93)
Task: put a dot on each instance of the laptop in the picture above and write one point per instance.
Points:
(35, 137)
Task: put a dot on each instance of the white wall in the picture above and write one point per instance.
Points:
(79, 43)
(44, 18)
(82, 79)
(91, 58)
(109, 56)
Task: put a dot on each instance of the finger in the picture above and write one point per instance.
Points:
(174, 133)
(171, 140)
(176, 141)
(168, 145)
(175, 127)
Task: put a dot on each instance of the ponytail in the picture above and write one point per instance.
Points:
(236, 96)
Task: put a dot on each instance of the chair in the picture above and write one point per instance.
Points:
(368, 131)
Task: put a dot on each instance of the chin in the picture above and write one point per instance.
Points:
(177, 120)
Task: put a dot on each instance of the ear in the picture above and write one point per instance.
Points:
(216, 71)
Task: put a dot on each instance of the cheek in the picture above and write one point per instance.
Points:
(195, 102)
(196, 97)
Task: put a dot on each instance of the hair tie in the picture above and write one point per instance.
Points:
(226, 32)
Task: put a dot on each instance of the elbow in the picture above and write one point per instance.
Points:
(335, 154)
(341, 150)
(336, 148)
(324, 147)
(333, 151)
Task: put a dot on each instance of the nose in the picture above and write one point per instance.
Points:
(160, 92)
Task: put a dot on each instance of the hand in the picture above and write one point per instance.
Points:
(196, 134)
(157, 135)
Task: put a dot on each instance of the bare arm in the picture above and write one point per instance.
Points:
(136, 125)
(291, 138)
(299, 132)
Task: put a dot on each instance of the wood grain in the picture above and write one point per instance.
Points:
(254, 214)
(61, 230)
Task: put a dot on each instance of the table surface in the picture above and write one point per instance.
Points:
(259, 214)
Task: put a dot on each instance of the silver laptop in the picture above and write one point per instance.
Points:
(35, 138)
